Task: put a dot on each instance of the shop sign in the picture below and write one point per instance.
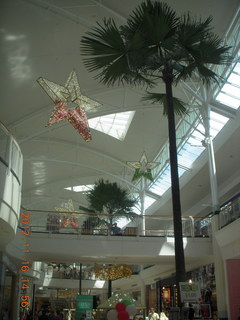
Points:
(189, 291)
(84, 307)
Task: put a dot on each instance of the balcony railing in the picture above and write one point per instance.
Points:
(53, 222)
(104, 225)
(230, 211)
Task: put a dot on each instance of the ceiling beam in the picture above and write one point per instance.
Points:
(111, 11)
(48, 6)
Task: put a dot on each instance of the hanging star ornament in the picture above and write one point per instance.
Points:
(63, 97)
(142, 168)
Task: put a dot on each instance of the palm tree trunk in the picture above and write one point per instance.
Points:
(176, 202)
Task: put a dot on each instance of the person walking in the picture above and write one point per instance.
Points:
(190, 312)
(152, 315)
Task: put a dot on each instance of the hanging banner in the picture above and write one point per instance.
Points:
(84, 307)
(189, 292)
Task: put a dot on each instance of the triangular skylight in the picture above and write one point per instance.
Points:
(115, 125)
(80, 188)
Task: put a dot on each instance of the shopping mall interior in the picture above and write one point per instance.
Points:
(53, 248)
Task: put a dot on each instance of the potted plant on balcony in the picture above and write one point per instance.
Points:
(111, 199)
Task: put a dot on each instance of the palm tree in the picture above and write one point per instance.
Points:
(156, 45)
(109, 197)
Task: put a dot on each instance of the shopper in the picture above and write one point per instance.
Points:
(116, 229)
(152, 315)
(44, 316)
(58, 316)
(190, 312)
(163, 316)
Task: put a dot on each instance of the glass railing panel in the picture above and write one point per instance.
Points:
(101, 225)
(230, 211)
(202, 227)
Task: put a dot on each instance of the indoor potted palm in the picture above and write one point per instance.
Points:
(110, 199)
(156, 45)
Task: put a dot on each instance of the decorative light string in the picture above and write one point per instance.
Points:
(112, 272)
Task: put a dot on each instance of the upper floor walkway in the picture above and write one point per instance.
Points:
(153, 244)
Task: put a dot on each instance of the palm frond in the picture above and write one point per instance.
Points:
(104, 49)
(207, 75)
(153, 16)
(86, 209)
(178, 104)
(110, 196)
(155, 23)
(153, 37)
(212, 51)
(184, 72)
(198, 48)
(191, 31)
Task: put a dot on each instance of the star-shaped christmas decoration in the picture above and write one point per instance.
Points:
(142, 168)
(63, 97)
(68, 219)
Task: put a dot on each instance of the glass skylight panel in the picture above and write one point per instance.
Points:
(187, 155)
(234, 78)
(229, 101)
(193, 149)
(197, 136)
(192, 142)
(230, 92)
(189, 152)
(184, 161)
(237, 68)
(217, 122)
(163, 183)
(214, 116)
(81, 188)
(115, 125)
(148, 201)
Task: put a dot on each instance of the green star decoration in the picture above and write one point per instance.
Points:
(142, 168)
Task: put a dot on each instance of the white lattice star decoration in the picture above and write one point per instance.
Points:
(69, 218)
(63, 96)
(142, 168)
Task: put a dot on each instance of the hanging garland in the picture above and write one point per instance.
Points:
(112, 272)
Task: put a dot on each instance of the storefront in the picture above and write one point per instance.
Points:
(165, 296)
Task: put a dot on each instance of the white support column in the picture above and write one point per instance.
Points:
(142, 195)
(219, 273)
(218, 260)
(211, 158)
(142, 289)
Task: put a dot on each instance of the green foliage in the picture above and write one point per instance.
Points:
(108, 197)
(153, 40)
(178, 104)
